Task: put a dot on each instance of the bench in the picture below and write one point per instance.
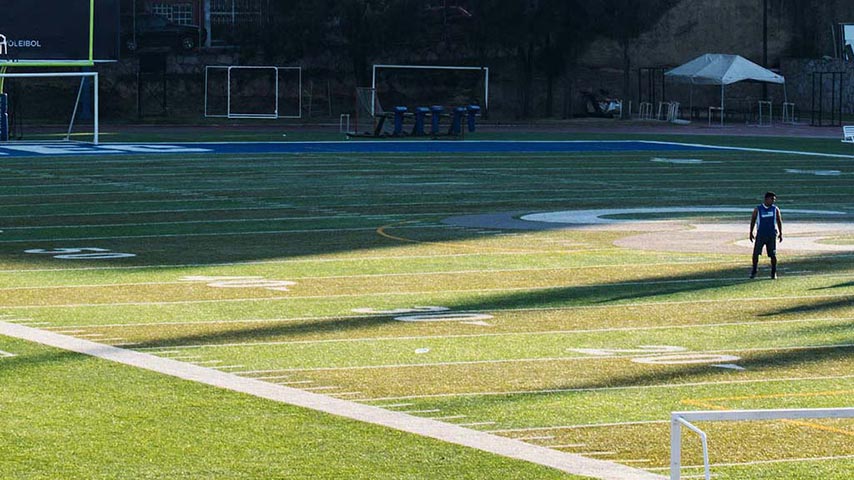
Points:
(848, 134)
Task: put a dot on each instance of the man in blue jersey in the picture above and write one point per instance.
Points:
(769, 223)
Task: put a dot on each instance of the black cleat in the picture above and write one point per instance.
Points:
(753, 274)
(773, 275)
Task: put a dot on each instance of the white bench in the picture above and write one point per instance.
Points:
(848, 134)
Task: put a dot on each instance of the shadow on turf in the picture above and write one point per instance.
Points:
(615, 293)
(273, 332)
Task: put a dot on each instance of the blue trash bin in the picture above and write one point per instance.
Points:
(435, 115)
(398, 120)
(473, 111)
(457, 121)
(420, 114)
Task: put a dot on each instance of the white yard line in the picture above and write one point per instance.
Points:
(211, 221)
(455, 434)
(763, 462)
(428, 292)
(576, 427)
(368, 258)
(589, 358)
(419, 274)
(606, 389)
(507, 334)
(213, 234)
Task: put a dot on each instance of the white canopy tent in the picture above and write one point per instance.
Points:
(721, 69)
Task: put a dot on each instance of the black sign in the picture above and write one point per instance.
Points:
(56, 30)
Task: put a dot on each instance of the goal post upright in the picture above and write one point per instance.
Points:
(83, 75)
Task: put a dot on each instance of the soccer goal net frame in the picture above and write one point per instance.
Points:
(83, 76)
(230, 113)
(684, 419)
(379, 67)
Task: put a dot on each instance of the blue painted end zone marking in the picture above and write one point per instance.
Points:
(28, 150)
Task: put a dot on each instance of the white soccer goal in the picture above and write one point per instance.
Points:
(439, 84)
(36, 111)
(684, 419)
(263, 92)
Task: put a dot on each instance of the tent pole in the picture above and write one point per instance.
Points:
(722, 104)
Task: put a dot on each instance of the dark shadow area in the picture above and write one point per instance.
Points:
(285, 329)
(670, 374)
(612, 293)
(820, 307)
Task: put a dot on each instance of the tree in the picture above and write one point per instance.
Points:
(626, 21)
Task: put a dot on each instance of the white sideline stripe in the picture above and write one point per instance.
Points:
(505, 334)
(763, 462)
(429, 292)
(607, 389)
(446, 432)
(358, 259)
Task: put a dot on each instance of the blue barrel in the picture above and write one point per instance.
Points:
(398, 120)
(457, 121)
(473, 110)
(435, 114)
(420, 113)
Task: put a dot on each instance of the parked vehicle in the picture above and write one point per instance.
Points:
(156, 31)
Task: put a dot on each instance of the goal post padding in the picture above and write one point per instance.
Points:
(50, 106)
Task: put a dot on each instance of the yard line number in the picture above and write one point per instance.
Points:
(664, 355)
(430, 314)
(242, 282)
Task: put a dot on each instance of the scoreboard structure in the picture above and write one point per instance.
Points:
(47, 33)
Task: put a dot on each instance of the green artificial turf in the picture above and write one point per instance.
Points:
(353, 241)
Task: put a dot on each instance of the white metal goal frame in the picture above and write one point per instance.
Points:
(230, 114)
(83, 76)
(485, 71)
(684, 419)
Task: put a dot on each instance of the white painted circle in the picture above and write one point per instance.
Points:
(94, 256)
(444, 317)
(820, 173)
(687, 359)
(594, 217)
(679, 161)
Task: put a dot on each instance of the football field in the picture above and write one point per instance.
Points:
(567, 299)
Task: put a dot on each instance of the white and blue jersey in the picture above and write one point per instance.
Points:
(766, 219)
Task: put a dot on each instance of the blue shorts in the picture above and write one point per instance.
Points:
(767, 242)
